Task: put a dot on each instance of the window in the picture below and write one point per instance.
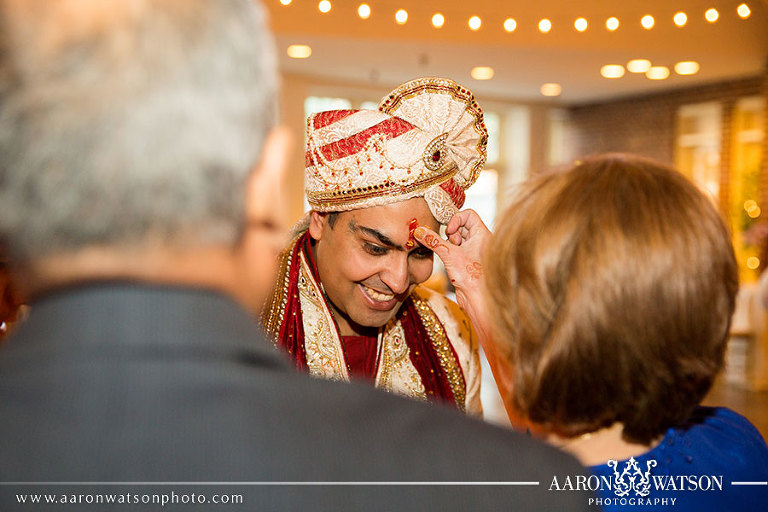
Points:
(698, 145)
(318, 104)
(481, 196)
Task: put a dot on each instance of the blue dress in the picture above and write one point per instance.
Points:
(717, 461)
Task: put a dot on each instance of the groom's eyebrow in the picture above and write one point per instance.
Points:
(378, 235)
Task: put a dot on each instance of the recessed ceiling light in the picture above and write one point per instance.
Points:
(482, 73)
(545, 26)
(680, 19)
(551, 89)
(285, 2)
(647, 22)
(510, 24)
(743, 11)
(438, 20)
(580, 24)
(401, 16)
(612, 23)
(612, 71)
(364, 11)
(687, 67)
(711, 15)
(475, 23)
(324, 6)
(299, 51)
(657, 73)
(638, 65)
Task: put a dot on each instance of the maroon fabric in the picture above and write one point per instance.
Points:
(424, 356)
(361, 352)
(291, 338)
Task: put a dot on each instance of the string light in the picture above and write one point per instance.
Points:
(647, 22)
(657, 73)
(638, 65)
(580, 24)
(482, 73)
(743, 11)
(612, 71)
(687, 67)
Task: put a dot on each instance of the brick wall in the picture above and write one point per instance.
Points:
(644, 124)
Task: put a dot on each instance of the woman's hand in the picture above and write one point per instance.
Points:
(462, 254)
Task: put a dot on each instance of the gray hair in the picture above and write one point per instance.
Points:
(127, 122)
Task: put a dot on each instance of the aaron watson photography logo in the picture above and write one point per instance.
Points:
(632, 484)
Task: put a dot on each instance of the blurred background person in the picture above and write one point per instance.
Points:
(610, 292)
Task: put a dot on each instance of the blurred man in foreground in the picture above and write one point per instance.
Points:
(139, 167)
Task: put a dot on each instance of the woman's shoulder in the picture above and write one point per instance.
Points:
(714, 439)
(715, 424)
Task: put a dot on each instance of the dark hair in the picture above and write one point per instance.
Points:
(613, 286)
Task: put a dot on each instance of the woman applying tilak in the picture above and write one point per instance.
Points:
(603, 302)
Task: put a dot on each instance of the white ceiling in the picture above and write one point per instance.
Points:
(378, 52)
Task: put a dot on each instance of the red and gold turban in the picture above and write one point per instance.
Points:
(427, 139)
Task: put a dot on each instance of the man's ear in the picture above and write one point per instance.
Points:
(264, 191)
(318, 223)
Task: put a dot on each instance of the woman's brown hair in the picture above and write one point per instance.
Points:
(612, 286)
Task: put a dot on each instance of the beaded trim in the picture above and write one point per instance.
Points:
(444, 351)
(339, 200)
(274, 310)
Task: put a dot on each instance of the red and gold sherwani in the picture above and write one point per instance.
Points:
(427, 351)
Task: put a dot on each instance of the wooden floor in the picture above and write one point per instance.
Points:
(751, 404)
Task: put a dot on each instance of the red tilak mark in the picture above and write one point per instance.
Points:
(412, 225)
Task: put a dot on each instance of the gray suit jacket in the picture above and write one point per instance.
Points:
(125, 389)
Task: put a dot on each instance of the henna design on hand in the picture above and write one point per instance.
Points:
(475, 270)
(433, 242)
